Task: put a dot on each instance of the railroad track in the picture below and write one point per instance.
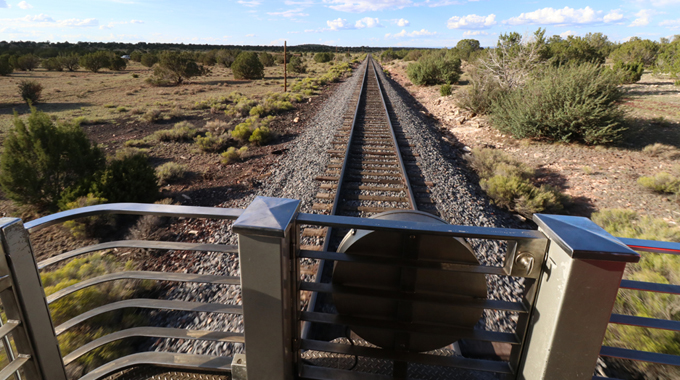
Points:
(372, 168)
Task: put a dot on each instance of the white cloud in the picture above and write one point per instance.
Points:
(249, 3)
(74, 22)
(367, 22)
(136, 22)
(567, 34)
(563, 16)
(279, 41)
(290, 13)
(442, 3)
(642, 17)
(402, 22)
(469, 33)
(671, 24)
(663, 3)
(39, 18)
(304, 3)
(415, 33)
(114, 23)
(24, 5)
(339, 24)
(471, 22)
(250, 35)
(358, 6)
(613, 15)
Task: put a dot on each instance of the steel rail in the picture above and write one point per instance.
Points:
(134, 209)
(162, 359)
(155, 332)
(397, 151)
(146, 303)
(145, 275)
(14, 366)
(145, 244)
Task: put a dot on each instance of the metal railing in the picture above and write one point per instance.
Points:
(571, 271)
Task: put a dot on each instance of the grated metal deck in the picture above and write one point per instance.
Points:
(158, 373)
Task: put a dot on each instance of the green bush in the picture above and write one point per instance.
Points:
(266, 59)
(628, 72)
(668, 60)
(52, 64)
(413, 55)
(173, 68)
(240, 106)
(182, 131)
(116, 63)
(40, 160)
(636, 50)
(136, 56)
(232, 155)
(296, 66)
(226, 57)
(663, 182)
(209, 143)
(28, 62)
(431, 70)
(5, 67)
(481, 92)
(85, 227)
(170, 171)
(30, 91)
(84, 268)
(659, 268)
(323, 57)
(247, 66)
(149, 59)
(95, 61)
(128, 179)
(70, 62)
(445, 90)
(509, 184)
(573, 103)
(260, 136)
(242, 131)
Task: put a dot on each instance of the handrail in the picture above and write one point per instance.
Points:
(134, 209)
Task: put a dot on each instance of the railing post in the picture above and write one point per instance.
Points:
(25, 301)
(577, 289)
(264, 241)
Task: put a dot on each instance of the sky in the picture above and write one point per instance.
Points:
(382, 23)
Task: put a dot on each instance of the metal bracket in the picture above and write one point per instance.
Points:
(238, 367)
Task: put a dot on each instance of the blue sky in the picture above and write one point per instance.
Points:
(417, 23)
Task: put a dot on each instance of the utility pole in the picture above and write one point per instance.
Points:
(285, 69)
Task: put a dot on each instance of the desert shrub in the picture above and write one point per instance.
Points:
(573, 50)
(242, 131)
(121, 109)
(84, 268)
(232, 155)
(52, 64)
(296, 66)
(508, 183)
(668, 59)
(226, 57)
(152, 115)
(636, 50)
(173, 68)
(28, 62)
(566, 103)
(662, 182)
(149, 59)
(136, 56)
(128, 179)
(261, 135)
(95, 61)
(445, 90)
(137, 143)
(70, 62)
(413, 55)
(247, 66)
(30, 91)
(466, 47)
(431, 70)
(209, 142)
(662, 150)
(659, 268)
(5, 67)
(85, 227)
(41, 159)
(482, 91)
(240, 106)
(170, 171)
(182, 131)
(628, 72)
(216, 126)
(266, 59)
(323, 57)
(116, 63)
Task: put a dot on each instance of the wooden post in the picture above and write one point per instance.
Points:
(285, 69)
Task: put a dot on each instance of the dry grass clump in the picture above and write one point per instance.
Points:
(209, 142)
(169, 172)
(152, 116)
(663, 182)
(509, 184)
(662, 151)
(233, 155)
(182, 131)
